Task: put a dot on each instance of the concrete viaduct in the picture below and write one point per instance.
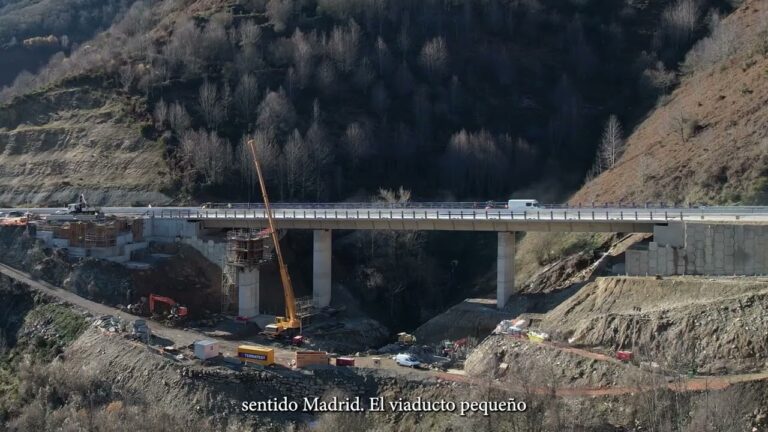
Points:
(322, 219)
(664, 222)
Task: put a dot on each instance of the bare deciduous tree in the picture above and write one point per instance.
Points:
(680, 20)
(343, 45)
(299, 167)
(206, 153)
(179, 118)
(611, 144)
(321, 152)
(276, 113)
(721, 44)
(434, 56)
(247, 97)
(249, 33)
(682, 126)
(660, 77)
(302, 58)
(183, 50)
(127, 76)
(210, 104)
(358, 142)
(474, 163)
(268, 154)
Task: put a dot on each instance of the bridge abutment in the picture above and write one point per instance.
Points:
(505, 268)
(321, 268)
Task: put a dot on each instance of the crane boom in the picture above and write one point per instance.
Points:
(285, 278)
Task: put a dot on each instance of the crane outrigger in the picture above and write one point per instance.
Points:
(290, 324)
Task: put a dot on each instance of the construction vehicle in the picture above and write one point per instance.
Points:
(82, 207)
(177, 313)
(406, 338)
(289, 325)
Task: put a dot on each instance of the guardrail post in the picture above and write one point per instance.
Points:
(593, 215)
(606, 215)
(335, 214)
(665, 215)
(551, 215)
(651, 214)
(538, 215)
(681, 215)
(449, 214)
(525, 214)
(578, 214)
(621, 215)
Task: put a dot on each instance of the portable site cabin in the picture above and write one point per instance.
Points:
(206, 349)
(256, 355)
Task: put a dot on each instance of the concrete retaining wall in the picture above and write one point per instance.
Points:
(169, 229)
(706, 249)
(214, 252)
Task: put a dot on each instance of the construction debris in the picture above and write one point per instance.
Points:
(109, 323)
(511, 327)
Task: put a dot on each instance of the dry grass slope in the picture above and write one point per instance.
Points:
(708, 141)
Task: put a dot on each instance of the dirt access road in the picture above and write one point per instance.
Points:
(284, 356)
(179, 337)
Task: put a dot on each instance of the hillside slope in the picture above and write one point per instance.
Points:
(60, 142)
(709, 141)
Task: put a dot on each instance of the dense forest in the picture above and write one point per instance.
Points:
(459, 100)
(448, 99)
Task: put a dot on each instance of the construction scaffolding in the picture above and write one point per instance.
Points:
(304, 308)
(246, 249)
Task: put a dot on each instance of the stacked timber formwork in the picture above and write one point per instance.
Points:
(96, 234)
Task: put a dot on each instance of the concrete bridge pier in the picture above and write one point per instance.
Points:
(321, 268)
(248, 292)
(505, 268)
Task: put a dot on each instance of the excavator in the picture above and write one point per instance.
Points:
(289, 325)
(177, 312)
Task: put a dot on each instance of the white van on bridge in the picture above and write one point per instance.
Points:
(522, 204)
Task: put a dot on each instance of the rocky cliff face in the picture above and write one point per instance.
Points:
(59, 143)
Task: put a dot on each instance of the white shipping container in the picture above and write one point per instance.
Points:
(206, 349)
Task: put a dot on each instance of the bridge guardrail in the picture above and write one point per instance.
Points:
(489, 205)
(563, 215)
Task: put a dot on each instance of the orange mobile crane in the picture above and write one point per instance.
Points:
(290, 324)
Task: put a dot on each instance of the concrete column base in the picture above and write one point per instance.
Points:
(505, 268)
(248, 292)
(321, 269)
